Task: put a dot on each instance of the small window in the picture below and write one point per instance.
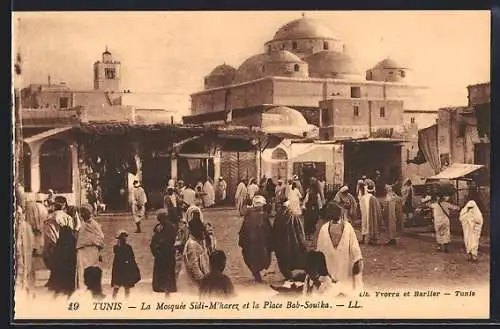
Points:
(64, 102)
(282, 46)
(294, 45)
(356, 111)
(296, 67)
(391, 73)
(325, 118)
(109, 73)
(403, 74)
(326, 46)
(355, 92)
(206, 81)
(269, 48)
(263, 68)
(412, 119)
(461, 129)
(382, 112)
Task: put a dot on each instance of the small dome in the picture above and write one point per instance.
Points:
(289, 116)
(330, 64)
(283, 56)
(284, 120)
(222, 75)
(223, 69)
(389, 63)
(251, 68)
(303, 28)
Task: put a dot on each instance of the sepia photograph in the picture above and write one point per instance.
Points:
(173, 165)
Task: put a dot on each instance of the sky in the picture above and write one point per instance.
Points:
(171, 52)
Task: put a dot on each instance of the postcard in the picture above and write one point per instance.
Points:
(251, 165)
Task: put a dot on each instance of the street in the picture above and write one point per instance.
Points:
(414, 262)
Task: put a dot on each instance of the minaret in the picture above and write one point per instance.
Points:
(107, 73)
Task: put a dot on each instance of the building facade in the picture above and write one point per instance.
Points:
(76, 138)
(307, 69)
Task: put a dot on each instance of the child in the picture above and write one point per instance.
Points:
(92, 277)
(215, 283)
(317, 281)
(125, 271)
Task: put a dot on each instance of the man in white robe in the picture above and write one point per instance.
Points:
(139, 200)
(241, 196)
(209, 197)
(344, 261)
(472, 223)
(252, 188)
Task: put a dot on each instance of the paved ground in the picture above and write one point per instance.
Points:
(414, 261)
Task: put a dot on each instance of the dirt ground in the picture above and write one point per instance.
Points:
(413, 261)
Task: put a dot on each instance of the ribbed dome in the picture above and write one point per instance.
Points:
(303, 28)
(284, 120)
(223, 69)
(389, 63)
(330, 64)
(251, 68)
(283, 56)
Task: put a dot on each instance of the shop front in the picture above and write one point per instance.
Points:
(365, 157)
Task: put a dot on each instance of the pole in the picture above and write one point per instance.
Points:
(260, 162)
(18, 137)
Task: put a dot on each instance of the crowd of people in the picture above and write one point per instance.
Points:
(311, 233)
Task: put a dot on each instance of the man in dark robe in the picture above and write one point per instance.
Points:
(255, 238)
(288, 241)
(163, 250)
(63, 267)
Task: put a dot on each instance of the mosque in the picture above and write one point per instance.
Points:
(307, 83)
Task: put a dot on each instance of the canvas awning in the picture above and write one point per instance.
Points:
(46, 134)
(457, 170)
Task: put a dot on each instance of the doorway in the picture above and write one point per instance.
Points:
(112, 159)
(308, 170)
(368, 157)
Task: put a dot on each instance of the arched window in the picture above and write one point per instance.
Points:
(296, 67)
(55, 166)
(279, 154)
(369, 75)
(26, 167)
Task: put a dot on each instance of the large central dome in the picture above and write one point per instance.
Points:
(303, 28)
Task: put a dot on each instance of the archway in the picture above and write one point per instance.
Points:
(27, 167)
(279, 166)
(112, 159)
(55, 166)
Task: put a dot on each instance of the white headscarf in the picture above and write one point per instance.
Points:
(258, 201)
(471, 212)
(190, 211)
